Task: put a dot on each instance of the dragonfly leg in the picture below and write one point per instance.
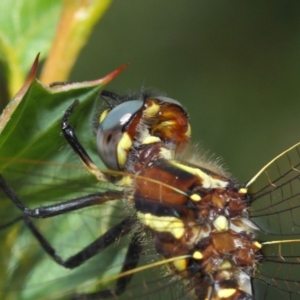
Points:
(131, 261)
(99, 244)
(102, 242)
(62, 207)
(70, 136)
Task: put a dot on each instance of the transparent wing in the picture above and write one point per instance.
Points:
(275, 209)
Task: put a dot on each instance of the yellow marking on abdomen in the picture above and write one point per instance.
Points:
(243, 191)
(163, 224)
(195, 197)
(197, 255)
(226, 293)
(221, 223)
(180, 264)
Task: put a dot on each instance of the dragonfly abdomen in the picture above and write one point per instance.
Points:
(202, 215)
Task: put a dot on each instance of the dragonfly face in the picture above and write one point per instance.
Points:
(200, 223)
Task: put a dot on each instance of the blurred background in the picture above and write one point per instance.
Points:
(234, 65)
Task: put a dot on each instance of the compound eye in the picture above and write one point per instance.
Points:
(113, 142)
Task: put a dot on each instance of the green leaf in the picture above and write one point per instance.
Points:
(26, 28)
(40, 166)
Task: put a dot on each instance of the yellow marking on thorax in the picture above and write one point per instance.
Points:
(126, 181)
(123, 146)
(151, 110)
(207, 181)
(163, 224)
(150, 140)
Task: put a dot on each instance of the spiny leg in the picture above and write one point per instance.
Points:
(102, 242)
(131, 261)
(117, 232)
(62, 207)
(95, 247)
(73, 141)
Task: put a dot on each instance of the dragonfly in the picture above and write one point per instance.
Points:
(188, 229)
